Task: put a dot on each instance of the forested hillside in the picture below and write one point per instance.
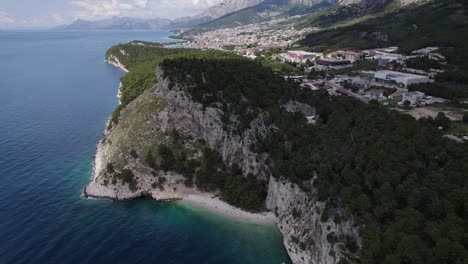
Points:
(403, 183)
(397, 177)
(436, 23)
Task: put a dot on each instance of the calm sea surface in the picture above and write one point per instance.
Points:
(56, 93)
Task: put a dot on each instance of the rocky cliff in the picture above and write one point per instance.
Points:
(205, 123)
(314, 232)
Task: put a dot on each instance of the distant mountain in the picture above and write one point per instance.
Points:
(128, 23)
(227, 7)
(271, 9)
(441, 23)
(224, 8)
(119, 23)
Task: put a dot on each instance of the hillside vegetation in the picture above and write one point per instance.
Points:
(436, 23)
(400, 180)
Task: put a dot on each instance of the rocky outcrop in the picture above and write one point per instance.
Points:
(313, 232)
(114, 60)
(137, 130)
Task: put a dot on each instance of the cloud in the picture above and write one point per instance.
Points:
(97, 9)
(5, 18)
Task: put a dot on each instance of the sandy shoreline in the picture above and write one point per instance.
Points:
(207, 202)
(192, 197)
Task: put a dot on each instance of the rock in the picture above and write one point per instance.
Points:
(299, 218)
(189, 116)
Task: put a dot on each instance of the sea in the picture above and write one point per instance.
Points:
(56, 93)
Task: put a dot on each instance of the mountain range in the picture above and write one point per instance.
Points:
(275, 9)
(129, 23)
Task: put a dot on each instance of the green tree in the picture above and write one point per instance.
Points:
(167, 157)
(406, 104)
(442, 121)
(149, 159)
(465, 117)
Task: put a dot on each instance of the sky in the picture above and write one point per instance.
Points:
(48, 13)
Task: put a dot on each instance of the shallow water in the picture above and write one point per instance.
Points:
(56, 93)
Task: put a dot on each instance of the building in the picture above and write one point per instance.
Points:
(414, 97)
(385, 58)
(302, 55)
(332, 63)
(400, 78)
(353, 56)
(349, 55)
(369, 53)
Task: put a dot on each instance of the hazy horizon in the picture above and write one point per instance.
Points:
(51, 13)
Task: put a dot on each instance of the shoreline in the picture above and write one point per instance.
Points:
(172, 192)
(114, 61)
(216, 206)
(200, 200)
(184, 195)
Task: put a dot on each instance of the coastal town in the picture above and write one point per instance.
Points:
(272, 34)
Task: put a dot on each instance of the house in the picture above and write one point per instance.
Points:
(414, 97)
(400, 78)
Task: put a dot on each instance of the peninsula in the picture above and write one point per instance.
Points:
(223, 132)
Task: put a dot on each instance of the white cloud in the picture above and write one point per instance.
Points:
(5, 18)
(97, 9)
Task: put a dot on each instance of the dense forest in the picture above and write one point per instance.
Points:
(398, 177)
(445, 90)
(451, 84)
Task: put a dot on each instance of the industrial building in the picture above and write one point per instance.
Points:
(400, 78)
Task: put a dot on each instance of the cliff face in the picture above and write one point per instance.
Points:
(312, 230)
(138, 130)
(187, 115)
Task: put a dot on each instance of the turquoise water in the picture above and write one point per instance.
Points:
(55, 94)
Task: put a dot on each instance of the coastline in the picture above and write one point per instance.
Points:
(114, 61)
(173, 191)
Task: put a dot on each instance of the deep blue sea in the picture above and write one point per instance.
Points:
(56, 93)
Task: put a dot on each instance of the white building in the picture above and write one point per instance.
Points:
(404, 79)
(414, 98)
(302, 55)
